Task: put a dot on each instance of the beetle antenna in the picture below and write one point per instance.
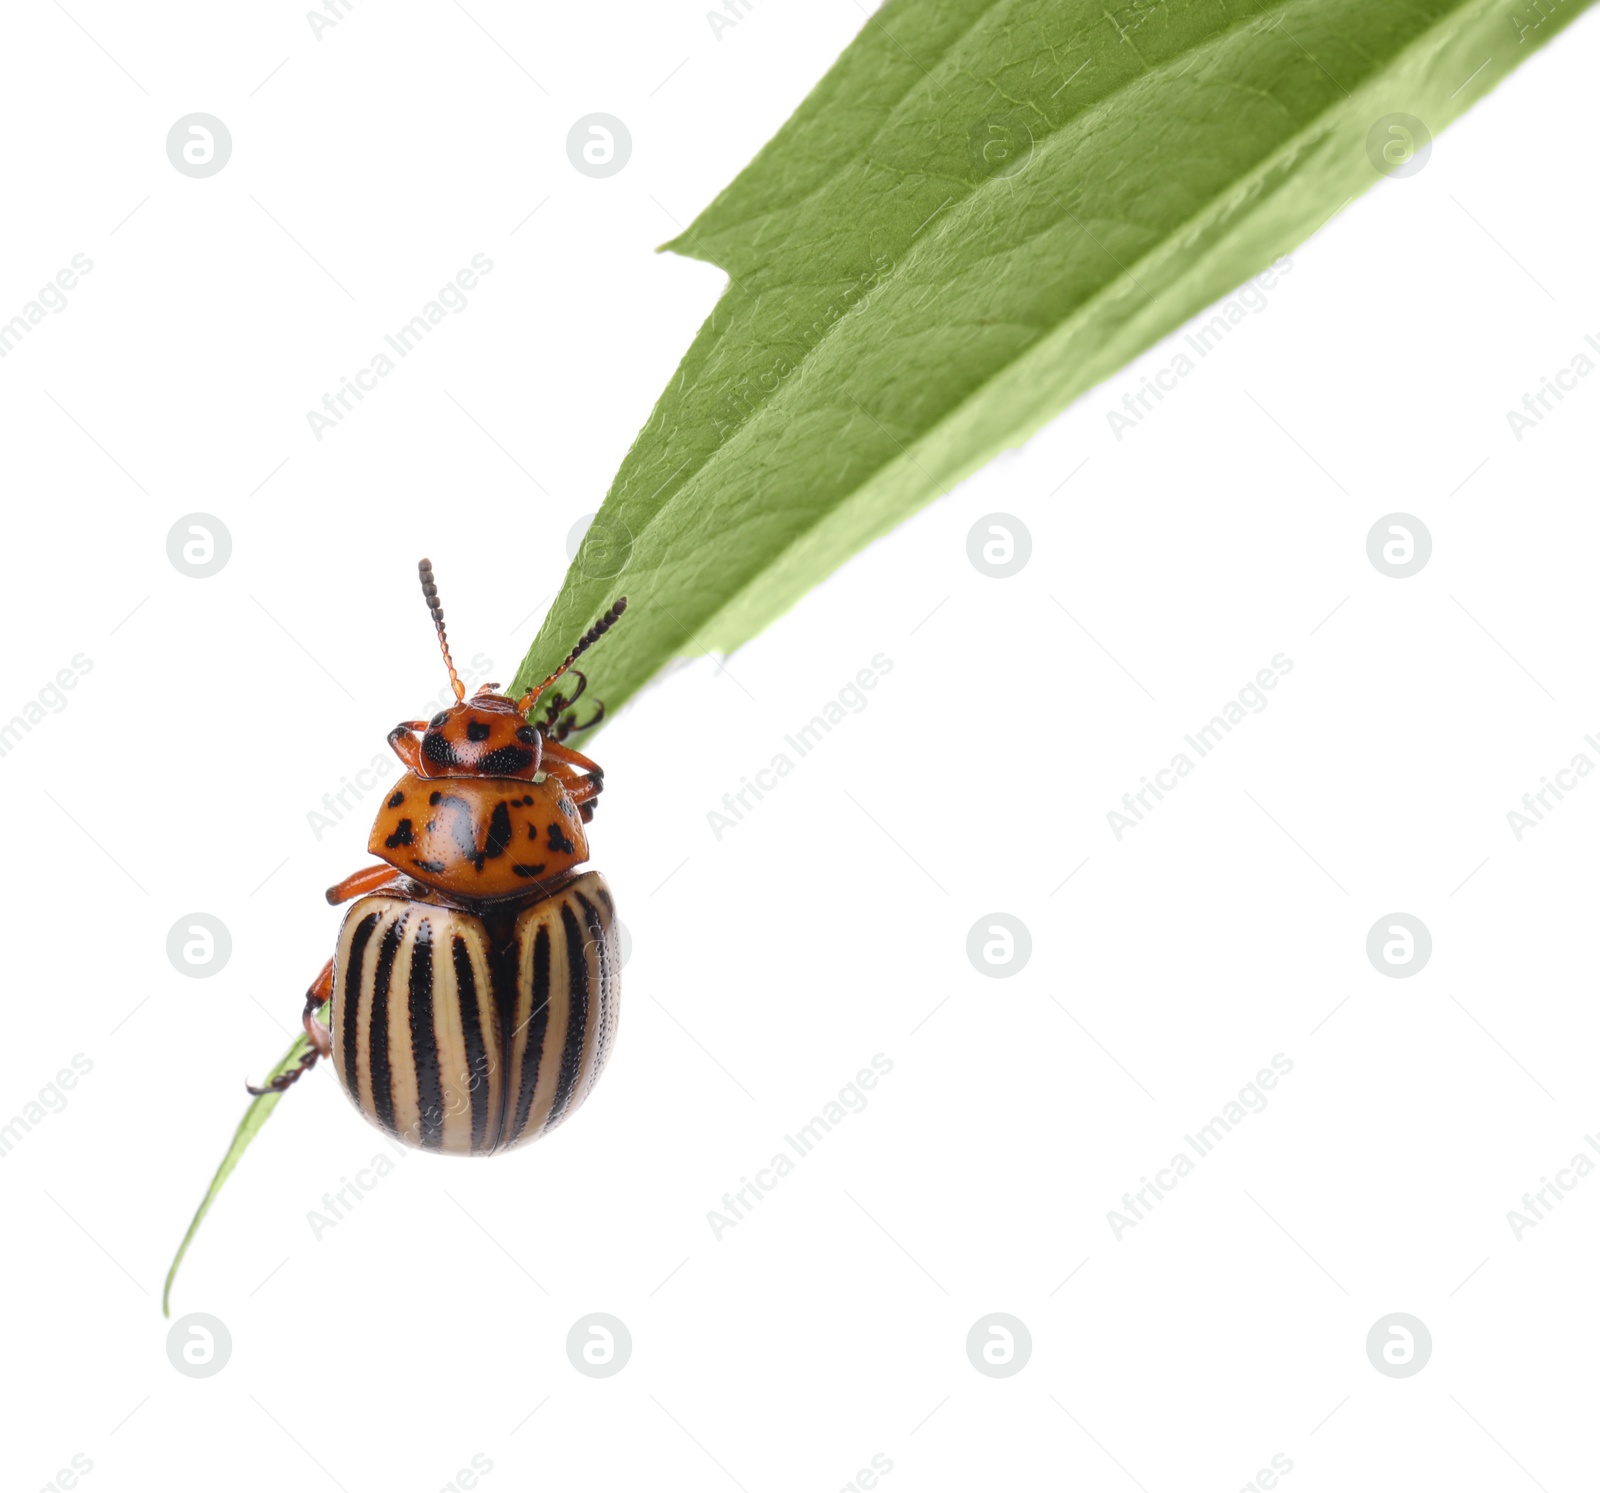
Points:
(582, 646)
(431, 593)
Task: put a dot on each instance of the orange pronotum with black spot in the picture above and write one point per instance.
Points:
(473, 995)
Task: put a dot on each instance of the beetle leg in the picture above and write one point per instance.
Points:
(580, 784)
(582, 777)
(406, 746)
(582, 788)
(283, 1080)
(554, 750)
(560, 721)
(317, 997)
(571, 723)
(560, 703)
(321, 1038)
(584, 791)
(321, 988)
(359, 883)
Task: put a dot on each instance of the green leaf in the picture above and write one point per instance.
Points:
(254, 1118)
(985, 208)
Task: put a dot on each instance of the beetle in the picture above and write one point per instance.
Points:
(473, 995)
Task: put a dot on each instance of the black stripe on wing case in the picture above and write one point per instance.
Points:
(538, 1022)
(379, 1065)
(577, 1016)
(504, 953)
(597, 936)
(424, 1042)
(472, 1039)
(351, 976)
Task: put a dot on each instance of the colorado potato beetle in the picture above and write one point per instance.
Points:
(473, 994)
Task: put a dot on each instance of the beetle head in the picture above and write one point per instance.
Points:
(489, 735)
(486, 736)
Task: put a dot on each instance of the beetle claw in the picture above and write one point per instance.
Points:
(283, 1080)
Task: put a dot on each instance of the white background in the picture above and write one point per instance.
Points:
(769, 966)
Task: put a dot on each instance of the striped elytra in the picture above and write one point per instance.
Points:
(470, 1032)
